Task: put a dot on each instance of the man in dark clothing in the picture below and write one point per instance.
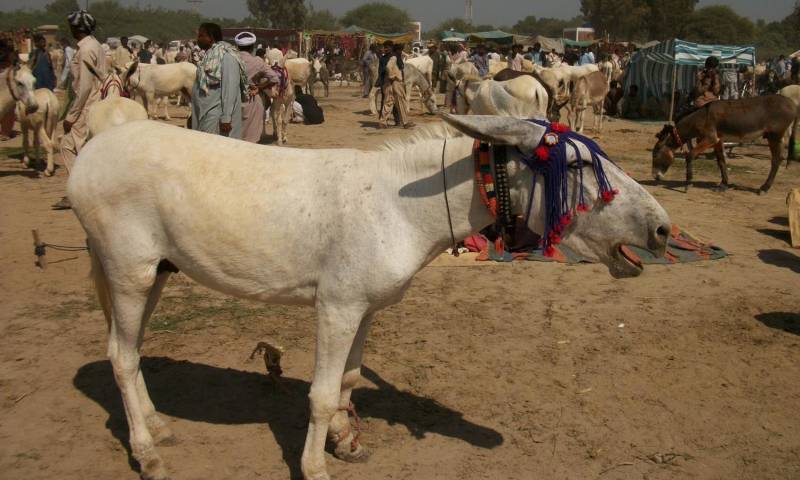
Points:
(42, 65)
(570, 57)
(312, 113)
(145, 56)
(796, 69)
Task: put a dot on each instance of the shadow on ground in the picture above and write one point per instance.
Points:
(780, 258)
(788, 322)
(204, 393)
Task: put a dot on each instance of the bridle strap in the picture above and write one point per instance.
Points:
(107, 87)
(10, 84)
(677, 137)
(447, 203)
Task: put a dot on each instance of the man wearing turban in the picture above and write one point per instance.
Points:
(85, 86)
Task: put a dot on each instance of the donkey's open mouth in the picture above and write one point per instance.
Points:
(626, 263)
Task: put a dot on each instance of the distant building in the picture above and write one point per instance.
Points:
(578, 34)
(416, 27)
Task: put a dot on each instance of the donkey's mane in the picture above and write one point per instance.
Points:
(435, 131)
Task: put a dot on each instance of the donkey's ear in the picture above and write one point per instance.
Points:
(498, 130)
(92, 70)
(132, 68)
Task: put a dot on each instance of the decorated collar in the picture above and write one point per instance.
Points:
(552, 160)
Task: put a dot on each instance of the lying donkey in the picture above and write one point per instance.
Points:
(727, 121)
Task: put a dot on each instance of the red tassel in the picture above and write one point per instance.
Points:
(549, 252)
(582, 208)
(542, 153)
(559, 127)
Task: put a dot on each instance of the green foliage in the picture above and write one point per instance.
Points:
(378, 17)
(548, 27)
(719, 24)
(321, 20)
(114, 20)
(619, 19)
(666, 18)
(279, 14)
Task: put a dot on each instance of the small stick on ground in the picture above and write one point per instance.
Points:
(272, 360)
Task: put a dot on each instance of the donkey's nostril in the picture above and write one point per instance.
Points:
(663, 232)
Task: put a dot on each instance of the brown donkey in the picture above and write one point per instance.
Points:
(726, 120)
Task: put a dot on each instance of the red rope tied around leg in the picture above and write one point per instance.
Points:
(351, 409)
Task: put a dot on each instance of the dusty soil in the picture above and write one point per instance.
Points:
(524, 370)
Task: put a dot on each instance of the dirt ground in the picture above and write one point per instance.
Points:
(523, 370)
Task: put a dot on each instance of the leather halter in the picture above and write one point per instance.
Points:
(105, 88)
(10, 84)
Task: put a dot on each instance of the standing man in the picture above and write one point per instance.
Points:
(369, 63)
(69, 52)
(481, 61)
(515, 58)
(220, 86)
(261, 78)
(145, 55)
(439, 64)
(85, 86)
(390, 78)
(42, 65)
(122, 55)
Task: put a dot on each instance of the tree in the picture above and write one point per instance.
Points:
(620, 19)
(667, 18)
(459, 25)
(547, 27)
(280, 14)
(321, 20)
(719, 24)
(378, 17)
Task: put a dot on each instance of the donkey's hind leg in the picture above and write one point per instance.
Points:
(132, 297)
(775, 144)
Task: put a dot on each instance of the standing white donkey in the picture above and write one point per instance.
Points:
(222, 211)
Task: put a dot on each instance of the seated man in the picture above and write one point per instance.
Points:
(632, 105)
(306, 108)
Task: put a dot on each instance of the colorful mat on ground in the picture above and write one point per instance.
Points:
(682, 248)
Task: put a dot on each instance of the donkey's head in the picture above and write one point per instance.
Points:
(20, 82)
(111, 84)
(668, 140)
(606, 209)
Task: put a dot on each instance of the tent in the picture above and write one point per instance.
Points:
(448, 35)
(549, 44)
(494, 36)
(671, 66)
(401, 37)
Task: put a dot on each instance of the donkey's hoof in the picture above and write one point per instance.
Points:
(346, 453)
(153, 469)
(721, 187)
(48, 173)
(762, 191)
(26, 161)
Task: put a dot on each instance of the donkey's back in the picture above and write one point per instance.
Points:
(249, 220)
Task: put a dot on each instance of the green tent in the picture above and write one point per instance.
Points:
(495, 36)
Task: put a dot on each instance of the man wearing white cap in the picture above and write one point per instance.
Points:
(262, 78)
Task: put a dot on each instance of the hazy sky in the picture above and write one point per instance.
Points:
(431, 12)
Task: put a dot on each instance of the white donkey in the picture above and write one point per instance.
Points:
(157, 81)
(42, 124)
(521, 97)
(112, 109)
(16, 85)
(336, 208)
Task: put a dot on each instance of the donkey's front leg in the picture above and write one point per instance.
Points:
(348, 447)
(25, 146)
(337, 327)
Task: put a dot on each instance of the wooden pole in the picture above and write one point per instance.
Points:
(40, 253)
(672, 100)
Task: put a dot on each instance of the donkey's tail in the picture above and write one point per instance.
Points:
(101, 284)
(792, 155)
